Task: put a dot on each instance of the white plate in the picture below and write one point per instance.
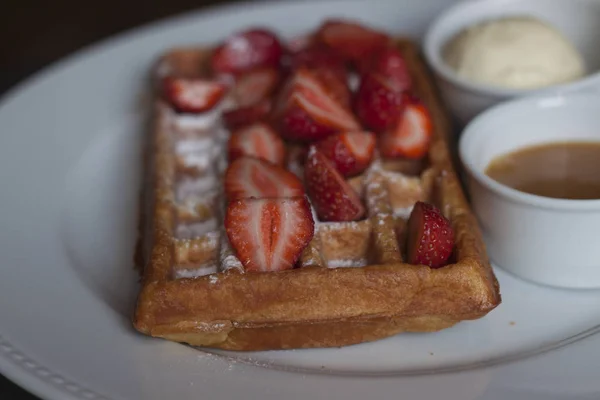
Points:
(69, 169)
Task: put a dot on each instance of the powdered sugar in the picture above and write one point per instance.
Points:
(227, 258)
(196, 229)
(347, 263)
(194, 187)
(180, 272)
(403, 212)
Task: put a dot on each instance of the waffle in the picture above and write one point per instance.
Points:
(351, 285)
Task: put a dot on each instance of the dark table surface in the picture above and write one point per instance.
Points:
(37, 32)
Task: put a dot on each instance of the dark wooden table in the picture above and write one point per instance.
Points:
(37, 32)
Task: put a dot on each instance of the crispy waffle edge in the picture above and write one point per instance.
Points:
(313, 307)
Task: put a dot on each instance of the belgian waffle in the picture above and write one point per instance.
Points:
(351, 284)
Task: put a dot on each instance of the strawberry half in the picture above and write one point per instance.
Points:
(411, 134)
(247, 50)
(317, 57)
(242, 116)
(269, 234)
(311, 111)
(430, 236)
(254, 86)
(389, 63)
(299, 43)
(378, 102)
(350, 152)
(192, 95)
(333, 198)
(252, 177)
(257, 140)
(350, 39)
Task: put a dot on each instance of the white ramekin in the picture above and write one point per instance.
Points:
(578, 20)
(550, 241)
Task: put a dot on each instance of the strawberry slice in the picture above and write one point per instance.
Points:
(335, 82)
(411, 134)
(333, 198)
(378, 102)
(430, 238)
(350, 39)
(317, 57)
(299, 43)
(311, 111)
(254, 86)
(350, 152)
(252, 177)
(242, 116)
(257, 140)
(269, 234)
(389, 63)
(247, 50)
(192, 95)
(297, 125)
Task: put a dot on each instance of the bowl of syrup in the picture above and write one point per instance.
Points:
(533, 174)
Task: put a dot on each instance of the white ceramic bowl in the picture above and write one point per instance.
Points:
(550, 241)
(578, 20)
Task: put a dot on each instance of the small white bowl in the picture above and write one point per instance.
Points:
(545, 240)
(578, 20)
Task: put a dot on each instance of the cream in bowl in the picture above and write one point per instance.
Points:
(485, 52)
(517, 52)
(510, 153)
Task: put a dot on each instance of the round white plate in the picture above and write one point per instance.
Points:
(69, 175)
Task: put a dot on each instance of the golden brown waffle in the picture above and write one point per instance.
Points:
(351, 286)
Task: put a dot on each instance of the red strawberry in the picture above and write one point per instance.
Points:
(269, 234)
(316, 57)
(247, 50)
(310, 111)
(350, 39)
(247, 115)
(411, 134)
(255, 85)
(378, 103)
(390, 63)
(336, 83)
(257, 140)
(193, 95)
(430, 236)
(333, 198)
(350, 152)
(252, 177)
(299, 43)
(297, 125)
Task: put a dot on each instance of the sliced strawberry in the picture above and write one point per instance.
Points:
(350, 39)
(192, 95)
(390, 63)
(242, 116)
(333, 198)
(316, 57)
(297, 125)
(411, 134)
(350, 152)
(247, 50)
(252, 177)
(311, 111)
(378, 103)
(257, 140)
(254, 86)
(300, 43)
(335, 82)
(269, 234)
(430, 238)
